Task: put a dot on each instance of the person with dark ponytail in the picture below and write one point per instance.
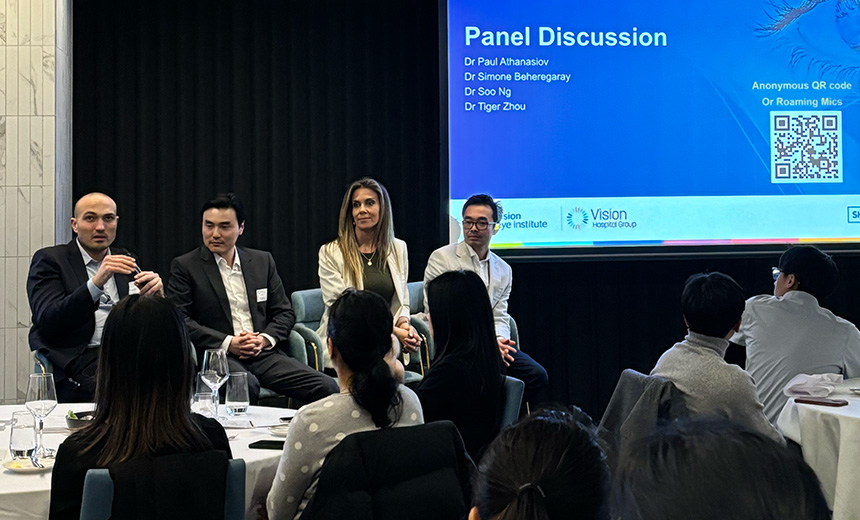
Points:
(548, 466)
(362, 347)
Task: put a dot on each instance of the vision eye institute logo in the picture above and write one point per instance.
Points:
(580, 217)
(577, 218)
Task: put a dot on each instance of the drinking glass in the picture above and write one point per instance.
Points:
(41, 401)
(22, 435)
(237, 394)
(204, 403)
(215, 371)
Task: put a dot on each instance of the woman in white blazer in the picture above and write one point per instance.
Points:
(366, 256)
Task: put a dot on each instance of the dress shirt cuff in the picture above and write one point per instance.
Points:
(271, 341)
(95, 292)
(226, 342)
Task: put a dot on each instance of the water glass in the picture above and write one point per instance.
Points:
(22, 435)
(237, 394)
(41, 401)
(215, 371)
(205, 404)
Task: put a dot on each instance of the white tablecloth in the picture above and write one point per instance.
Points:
(27, 495)
(830, 439)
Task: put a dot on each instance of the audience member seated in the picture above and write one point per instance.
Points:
(548, 466)
(789, 333)
(712, 305)
(143, 391)
(365, 255)
(465, 383)
(359, 337)
(711, 469)
(481, 217)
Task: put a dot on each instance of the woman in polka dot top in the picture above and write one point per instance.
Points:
(359, 341)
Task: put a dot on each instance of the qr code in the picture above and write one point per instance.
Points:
(806, 147)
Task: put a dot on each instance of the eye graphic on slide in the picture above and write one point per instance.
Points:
(798, 24)
(577, 218)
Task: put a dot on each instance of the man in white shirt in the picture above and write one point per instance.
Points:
(480, 223)
(233, 299)
(789, 333)
(72, 288)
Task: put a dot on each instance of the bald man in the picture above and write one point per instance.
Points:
(71, 289)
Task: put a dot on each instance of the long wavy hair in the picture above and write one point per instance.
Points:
(383, 239)
(359, 327)
(143, 386)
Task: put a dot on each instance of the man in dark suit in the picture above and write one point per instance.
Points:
(233, 299)
(71, 289)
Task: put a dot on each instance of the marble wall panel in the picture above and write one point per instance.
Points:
(49, 15)
(10, 297)
(23, 319)
(2, 35)
(3, 323)
(48, 202)
(48, 82)
(11, 177)
(27, 168)
(11, 22)
(2, 75)
(25, 364)
(37, 21)
(48, 150)
(11, 81)
(24, 15)
(10, 360)
(35, 154)
(2, 151)
(11, 238)
(23, 151)
(23, 228)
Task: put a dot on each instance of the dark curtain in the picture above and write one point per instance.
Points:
(282, 102)
(285, 103)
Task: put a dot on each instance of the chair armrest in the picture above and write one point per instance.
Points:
(294, 347)
(428, 349)
(313, 345)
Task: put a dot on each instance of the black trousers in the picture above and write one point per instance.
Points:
(534, 376)
(79, 385)
(282, 374)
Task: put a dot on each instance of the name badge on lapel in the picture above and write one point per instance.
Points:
(133, 289)
(262, 295)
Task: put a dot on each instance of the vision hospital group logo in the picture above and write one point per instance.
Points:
(600, 218)
(577, 218)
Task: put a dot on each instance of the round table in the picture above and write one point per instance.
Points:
(830, 440)
(28, 495)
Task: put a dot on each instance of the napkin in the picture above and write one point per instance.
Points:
(817, 385)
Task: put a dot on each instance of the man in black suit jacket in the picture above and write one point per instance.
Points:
(72, 287)
(233, 299)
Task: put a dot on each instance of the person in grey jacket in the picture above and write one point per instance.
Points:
(713, 304)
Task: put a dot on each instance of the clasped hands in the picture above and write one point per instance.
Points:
(147, 281)
(407, 335)
(246, 344)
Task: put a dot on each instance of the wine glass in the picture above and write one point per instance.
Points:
(41, 401)
(215, 371)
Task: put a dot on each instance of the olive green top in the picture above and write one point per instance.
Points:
(377, 276)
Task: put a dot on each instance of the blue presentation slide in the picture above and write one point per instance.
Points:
(657, 122)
